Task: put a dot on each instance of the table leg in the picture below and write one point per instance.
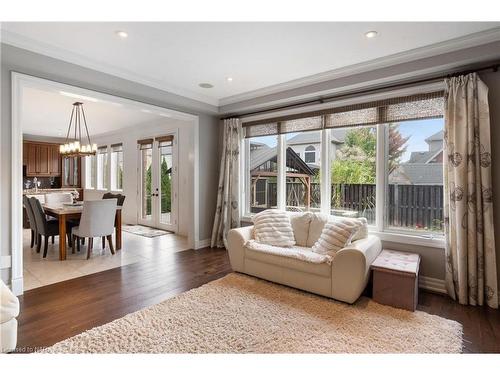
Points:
(62, 237)
(118, 229)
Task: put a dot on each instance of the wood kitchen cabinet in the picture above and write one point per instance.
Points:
(41, 159)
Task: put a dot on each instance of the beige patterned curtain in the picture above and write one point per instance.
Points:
(227, 214)
(471, 273)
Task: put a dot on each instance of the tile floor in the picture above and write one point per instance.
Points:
(39, 271)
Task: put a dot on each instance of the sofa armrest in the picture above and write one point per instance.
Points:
(351, 268)
(236, 239)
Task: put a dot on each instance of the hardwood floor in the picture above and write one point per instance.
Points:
(55, 312)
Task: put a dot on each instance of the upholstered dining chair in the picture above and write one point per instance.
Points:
(97, 220)
(57, 198)
(44, 227)
(31, 220)
(121, 200)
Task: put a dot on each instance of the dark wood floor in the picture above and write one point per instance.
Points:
(55, 312)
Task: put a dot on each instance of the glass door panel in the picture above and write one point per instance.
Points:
(145, 183)
(165, 152)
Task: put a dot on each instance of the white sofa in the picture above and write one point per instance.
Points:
(344, 278)
(9, 310)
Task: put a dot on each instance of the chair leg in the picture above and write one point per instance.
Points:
(73, 243)
(45, 246)
(78, 241)
(110, 241)
(103, 242)
(89, 247)
(52, 240)
(32, 239)
(38, 242)
(83, 240)
(70, 241)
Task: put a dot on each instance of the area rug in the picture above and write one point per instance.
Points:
(144, 231)
(242, 314)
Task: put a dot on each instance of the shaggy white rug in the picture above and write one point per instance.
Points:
(242, 314)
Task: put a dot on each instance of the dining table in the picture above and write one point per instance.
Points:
(63, 213)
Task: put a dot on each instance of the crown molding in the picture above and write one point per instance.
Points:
(46, 49)
(471, 40)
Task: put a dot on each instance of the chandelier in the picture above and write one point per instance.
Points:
(74, 146)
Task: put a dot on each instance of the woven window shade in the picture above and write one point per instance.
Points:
(102, 149)
(165, 138)
(144, 144)
(261, 129)
(117, 147)
(407, 108)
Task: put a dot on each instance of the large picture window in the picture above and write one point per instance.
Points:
(381, 160)
(90, 172)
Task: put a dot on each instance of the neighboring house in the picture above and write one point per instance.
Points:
(423, 167)
(308, 146)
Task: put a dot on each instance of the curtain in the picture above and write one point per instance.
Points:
(227, 214)
(471, 273)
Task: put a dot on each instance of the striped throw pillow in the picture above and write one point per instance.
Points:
(335, 236)
(273, 227)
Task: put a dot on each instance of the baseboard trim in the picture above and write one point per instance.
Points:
(432, 284)
(202, 243)
(17, 286)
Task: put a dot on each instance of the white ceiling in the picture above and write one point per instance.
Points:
(178, 56)
(47, 113)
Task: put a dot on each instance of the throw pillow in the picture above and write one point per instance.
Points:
(273, 227)
(335, 236)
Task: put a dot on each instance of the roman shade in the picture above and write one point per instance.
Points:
(102, 149)
(406, 108)
(144, 144)
(165, 138)
(117, 147)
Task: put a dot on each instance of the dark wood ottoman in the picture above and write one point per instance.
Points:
(395, 279)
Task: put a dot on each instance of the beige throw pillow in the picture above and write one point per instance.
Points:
(335, 236)
(273, 227)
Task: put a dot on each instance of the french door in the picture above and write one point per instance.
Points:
(157, 187)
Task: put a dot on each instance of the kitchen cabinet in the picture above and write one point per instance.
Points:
(41, 159)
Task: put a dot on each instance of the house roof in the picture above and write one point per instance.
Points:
(266, 153)
(435, 137)
(337, 136)
(418, 174)
(421, 156)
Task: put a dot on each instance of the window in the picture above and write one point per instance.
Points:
(303, 190)
(353, 172)
(117, 167)
(90, 172)
(383, 161)
(310, 154)
(262, 173)
(102, 168)
(414, 195)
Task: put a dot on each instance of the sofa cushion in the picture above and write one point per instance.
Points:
(279, 259)
(273, 227)
(335, 236)
(362, 232)
(318, 221)
(300, 224)
(9, 308)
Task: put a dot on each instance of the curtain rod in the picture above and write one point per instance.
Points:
(494, 67)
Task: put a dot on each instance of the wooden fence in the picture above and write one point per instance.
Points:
(409, 206)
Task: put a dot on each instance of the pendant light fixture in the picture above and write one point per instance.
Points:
(74, 146)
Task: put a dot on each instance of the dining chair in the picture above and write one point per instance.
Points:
(44, 227)
(56, 198)
(31, 221)
(120, 200)
(97, 220)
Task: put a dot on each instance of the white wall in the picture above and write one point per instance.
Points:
(128, 137)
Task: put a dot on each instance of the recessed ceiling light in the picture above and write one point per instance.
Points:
(146, 111)
(229, 79)
(122, 34)
(206, 85)
(371, 34)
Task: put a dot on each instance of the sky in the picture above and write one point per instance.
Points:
(417, 130)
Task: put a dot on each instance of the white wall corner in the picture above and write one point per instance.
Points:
(17, 286)
(5, 262)
(432, 284)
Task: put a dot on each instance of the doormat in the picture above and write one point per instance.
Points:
(144, 231)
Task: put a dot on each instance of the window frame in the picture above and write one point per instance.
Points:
(103, 172)
(113, 166)
(306, 152)
(385, 233)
